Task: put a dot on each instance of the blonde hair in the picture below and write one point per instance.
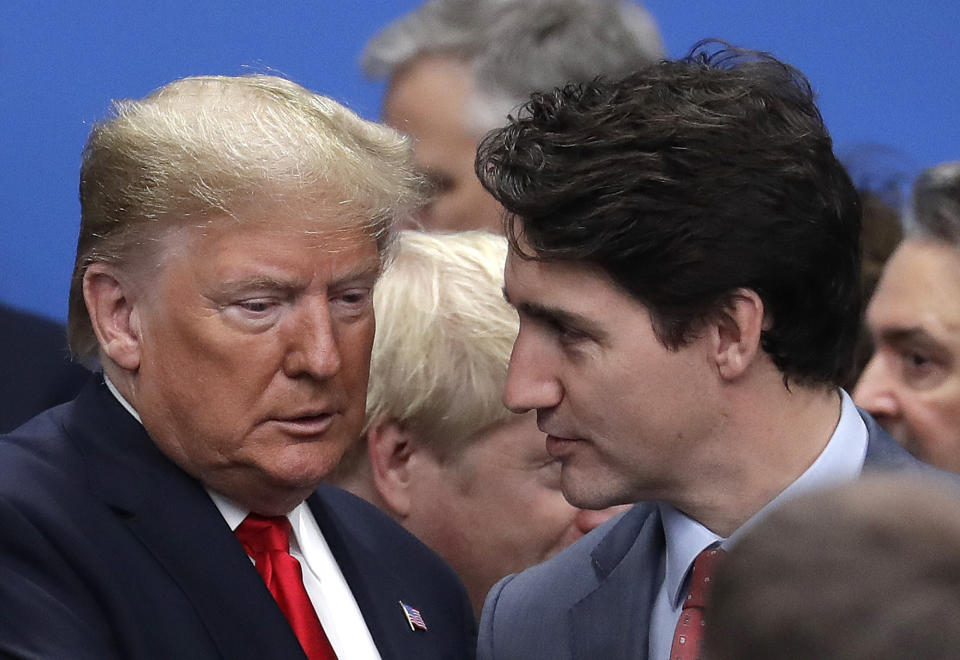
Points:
(190, 150)
(444, 336)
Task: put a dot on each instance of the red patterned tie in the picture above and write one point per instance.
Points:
(267, 541)
(687, 637)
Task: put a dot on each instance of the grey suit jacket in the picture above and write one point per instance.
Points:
(594, 600)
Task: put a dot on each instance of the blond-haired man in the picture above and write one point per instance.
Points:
(232, 230)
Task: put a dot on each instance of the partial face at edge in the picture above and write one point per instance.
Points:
(255, 349)
(912, 382)
(428, 100)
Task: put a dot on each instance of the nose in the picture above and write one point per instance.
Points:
(312, 348)
(530, 383)
(588, 519)
(876, 389)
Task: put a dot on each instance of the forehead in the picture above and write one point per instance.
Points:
(920, 287)
(428, 100)
(297, 232)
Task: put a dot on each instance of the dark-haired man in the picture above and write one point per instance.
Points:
(685, 264)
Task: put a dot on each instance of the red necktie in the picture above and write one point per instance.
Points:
(687, 637)
(267, 541)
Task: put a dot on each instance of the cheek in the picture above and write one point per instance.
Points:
(355, 346)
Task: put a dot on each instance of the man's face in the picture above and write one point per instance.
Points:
(255, 348)
(912, 382)
(624, 415)
(496, 508)
(427, 100)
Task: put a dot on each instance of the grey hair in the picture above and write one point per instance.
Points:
(516, 47)
(199, 146)
(934, 210)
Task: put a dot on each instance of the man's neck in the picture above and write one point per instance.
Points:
(768, 440)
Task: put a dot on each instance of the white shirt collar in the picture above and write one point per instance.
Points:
(119, 397)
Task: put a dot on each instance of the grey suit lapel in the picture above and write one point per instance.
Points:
(613, 621)
(885, 453)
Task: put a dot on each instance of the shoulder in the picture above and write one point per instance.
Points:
(38, 455)
(530, 607)
(363, 529)
(385, 565)
(884, 454)
(37, 371)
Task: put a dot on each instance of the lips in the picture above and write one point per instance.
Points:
(558, 447)
(309, 424)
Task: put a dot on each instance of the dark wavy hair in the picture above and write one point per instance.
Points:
(685, 181)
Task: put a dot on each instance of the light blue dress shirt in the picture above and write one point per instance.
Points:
(840, 461)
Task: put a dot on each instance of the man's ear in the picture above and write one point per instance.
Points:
(738, 329)
(112, 316)
(390, 447)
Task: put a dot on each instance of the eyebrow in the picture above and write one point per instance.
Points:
(368, 269)
(558, 316)
(900, 335)
(916, 335)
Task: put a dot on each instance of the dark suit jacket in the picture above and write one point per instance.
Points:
(35, 368)
(595, 599)
(109, 550)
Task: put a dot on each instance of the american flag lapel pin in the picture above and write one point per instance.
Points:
(413, 617)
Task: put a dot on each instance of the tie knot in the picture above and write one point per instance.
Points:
(701, 578)
(259, 534)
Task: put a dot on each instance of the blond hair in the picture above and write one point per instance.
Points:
(444, 336)
(189, 151)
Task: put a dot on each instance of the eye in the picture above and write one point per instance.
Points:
(920, 369)
(253, 314)
(355, 297)
(255, 306)
(565, 333)
(354, 301)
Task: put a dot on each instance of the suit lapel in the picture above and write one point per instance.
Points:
(373, 587)
(175, 519)
(627, 563)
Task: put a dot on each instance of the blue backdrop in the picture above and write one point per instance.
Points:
(885, 72)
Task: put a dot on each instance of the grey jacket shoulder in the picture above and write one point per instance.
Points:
(534, 614)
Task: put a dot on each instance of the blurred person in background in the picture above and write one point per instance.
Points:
(37, 372)
(880, 235)
(441, 453)
(866, 571)
(912, 383)
(456, 68)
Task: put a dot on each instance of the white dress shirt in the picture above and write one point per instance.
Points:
(840, 461)
(328, 590)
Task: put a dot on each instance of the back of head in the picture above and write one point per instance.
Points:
(868, 571)
(444, 335)
(198, 147)
(935, 207)
(685, 181)
(517, 46)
